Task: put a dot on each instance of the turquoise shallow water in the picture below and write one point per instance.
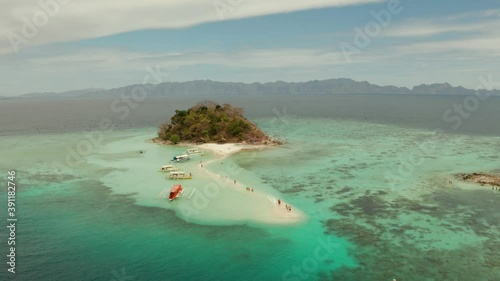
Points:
(372, 214)
(94, 215)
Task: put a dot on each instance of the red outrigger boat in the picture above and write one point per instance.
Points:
(174, 192)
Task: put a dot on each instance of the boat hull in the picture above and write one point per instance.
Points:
(174, 192)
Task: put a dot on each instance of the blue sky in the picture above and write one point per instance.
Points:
(107, 44)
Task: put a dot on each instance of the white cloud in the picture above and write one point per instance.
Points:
(89, 19)
(474, 22)
(107, 59)
(469, 36)
(487, 47)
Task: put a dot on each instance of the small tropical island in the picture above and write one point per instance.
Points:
(223, 131)
(209, 122)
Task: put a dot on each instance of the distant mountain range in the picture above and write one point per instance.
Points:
(74, 93)
(208, 87)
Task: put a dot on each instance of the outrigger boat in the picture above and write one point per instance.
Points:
(168, 168)
(179, 176)
(174, 192)
(193, 151)
(180, 158)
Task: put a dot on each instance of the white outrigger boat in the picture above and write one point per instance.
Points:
(179, 176)
(180, 158)
(169, 168)
(193, 151)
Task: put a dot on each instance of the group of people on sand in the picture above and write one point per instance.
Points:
(287, 207)
(234, 181)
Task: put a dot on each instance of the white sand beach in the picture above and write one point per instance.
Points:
(225, 197)
(227, 149)
(252, 204)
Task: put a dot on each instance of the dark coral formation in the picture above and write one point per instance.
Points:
(481, 178)
(401, 250)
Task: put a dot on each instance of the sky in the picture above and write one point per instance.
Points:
(61, 45)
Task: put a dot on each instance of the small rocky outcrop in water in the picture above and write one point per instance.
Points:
(481, 178)
(211, 122)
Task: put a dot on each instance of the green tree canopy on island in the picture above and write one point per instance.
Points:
(210, 122)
